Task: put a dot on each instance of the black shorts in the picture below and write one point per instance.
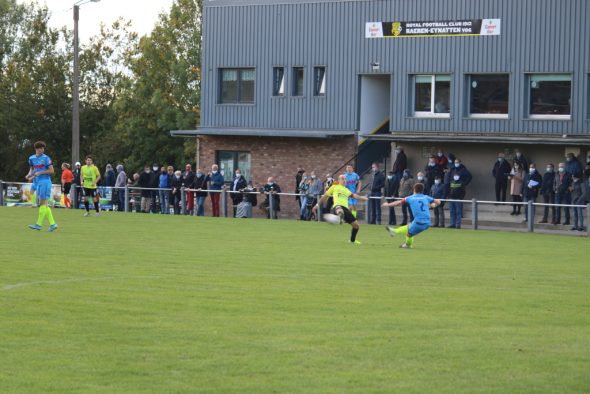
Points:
(67, 188)
(89, 192)
(348, 217)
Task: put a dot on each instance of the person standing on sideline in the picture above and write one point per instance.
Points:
(164, 183)
(437, 191)
(146, 194)
(530, 189)
(40, 171)
(548, 194)
(188, 179)
(500, 172)
(120, 183)
(521, 160)
(199, 185)
(377, 185)
(353, 183)
(420, 204)
(176, 191)
(459, 178)
(516, 182)
(238, 183)
(400, 163)
(90, 177)
(216, 182)
(271, 190)
(298, 178)
(77, 184)
(66, 183)
(561, 186)
(390, 194)
(406, 185)
(577, 190)
(341, 195)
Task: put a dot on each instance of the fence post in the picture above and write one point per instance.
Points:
(75, 195)
(224, 202)
(1, 193)
(319, 211)
(530, 217)
(367, 219)
(270, 205)
(126, 205)
(474, 213)
(182, 201)
(588, 219)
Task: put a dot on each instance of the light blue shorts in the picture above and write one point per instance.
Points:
(416, 228)
(352, 202)
(43, 190)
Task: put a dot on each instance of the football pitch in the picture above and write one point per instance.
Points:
(175, 304)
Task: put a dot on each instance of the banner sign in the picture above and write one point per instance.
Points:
(468, 27)
(20, 194)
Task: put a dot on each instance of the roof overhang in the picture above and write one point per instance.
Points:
(243, 132)
(482, 138)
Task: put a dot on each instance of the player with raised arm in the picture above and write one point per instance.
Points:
(353, 183)
(90, 176)
(40, 170)
(340, 193)
(420, 205)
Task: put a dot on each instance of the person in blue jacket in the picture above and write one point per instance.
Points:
(216, 182)
(457, 180)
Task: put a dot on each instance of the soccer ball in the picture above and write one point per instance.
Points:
(331, 218)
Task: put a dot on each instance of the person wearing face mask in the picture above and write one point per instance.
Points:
(406, 188)
(441, 160)
(244, 209)
(154, 181)
(176, 184)
(577, 190)
(400, 163)
(302, 191)
(146, 194)
(390, 193)
(188, 179)
(77, 184)
(548, 194)
(298, 178)
(501, 171)
(199, 185)
(327, 184)
(271, 190)
(216, 182)
(431, 171)
(163, 193)
(459, 178)
(238, 183)
(561, 187)
(573, 166)
(437, 191)
(313, 192)
(516, 182)
(521, 160)
(531, 185)
(377, 184)
(120, 183)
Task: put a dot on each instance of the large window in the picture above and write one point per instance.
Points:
(550, 95)
(488, 95)
(278, 81)
(319, 81)
(237, 85)
(229, 161)
(297, 81)
(432, 95)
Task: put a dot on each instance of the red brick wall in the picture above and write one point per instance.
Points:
(280, 157)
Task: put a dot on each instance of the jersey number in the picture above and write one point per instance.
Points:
(422, 206)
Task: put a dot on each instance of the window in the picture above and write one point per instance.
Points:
(297, 81)
(550, 95)
(488, 95)
(432, 94)
(278, 81)
(230, 161)
(319, 81)
(237, 85)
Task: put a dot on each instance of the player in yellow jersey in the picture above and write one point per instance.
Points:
(340, 194)
(90, 176)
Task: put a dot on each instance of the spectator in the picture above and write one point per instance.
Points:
(216, 182)
(400, 164)
(521, 160)
(577, 190)
(188, 179)
(516, 180)
(200, 184)
(377, 185)
(164, 183)
(298, 178)
(238, 184)
(441, 160)
(561, 187)
(154, 181)
(146, 194)
(271, 190)
(406, 189)
(313, 192)
(109, 176)
(431, 171)
(437, 191)
(120, 184)
(573, 167)
(66, 183)
(249, 200)
(302, 191)
(77, 184)
(459, 178)
(531, 186)
(327, 184)
(501, 171)
(176, 184)
(587, 171)
(548, 194)
(390, 194)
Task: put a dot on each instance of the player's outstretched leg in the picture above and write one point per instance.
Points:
(353, 233)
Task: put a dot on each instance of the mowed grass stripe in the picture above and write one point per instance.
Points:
(157, 303)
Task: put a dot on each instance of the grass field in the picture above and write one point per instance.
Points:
(170, 304)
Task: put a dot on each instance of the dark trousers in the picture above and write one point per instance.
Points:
(405, 211)
(121, 195)
(456, 213)
(528, 214)
(501, 187)
(563, 198)
(549, 199)
(392, 219)
(375, 208)
(215, 204)
(516, 207)
(439, 215)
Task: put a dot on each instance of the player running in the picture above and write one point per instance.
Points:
(40, 170)
(340, 193)
(353, 183)
(90, 177)
(419, 204)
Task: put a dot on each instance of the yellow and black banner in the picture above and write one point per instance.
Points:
(466, 27)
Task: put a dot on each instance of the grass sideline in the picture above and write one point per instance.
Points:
(154, 303)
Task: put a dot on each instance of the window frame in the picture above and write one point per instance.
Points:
(468, 80)
(276, 90)
(531, 116)
(431, 113)
(239, 85)
(246, 172)
(318, 87)
(294, 91)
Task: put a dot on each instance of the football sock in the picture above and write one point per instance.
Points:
(401, 230)
(354, 213)
(49, 215)
(353, 234)
(87, 205)
(96, 206)
(409, 240)
(42, 213)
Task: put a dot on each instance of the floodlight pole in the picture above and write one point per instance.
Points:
(76, 93)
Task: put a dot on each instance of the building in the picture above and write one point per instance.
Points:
(312, 83)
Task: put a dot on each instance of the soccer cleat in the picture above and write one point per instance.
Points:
(355, 242)
(52, 228)
(390, 231)
(97, 214)
(34, 227)
(86, 214)
(405, 246)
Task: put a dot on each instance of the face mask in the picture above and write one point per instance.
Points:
(214, 172)
(313, 177)
(549, 169)
(420, 178)
(518, 154)
(390, 177)
(532, 170)
(177, 176)
(439, 154)
(374, 169)
(238, 175)
(431, 164)
(330, 179)
(576, 180)
(437, 181)
(397, 151)
(155, 168)
(270, 183)
(561, 169)
(199, 173)
(457, 165)
(500, 159)
(406, 175)
(456, 177)
(568, 158)
(147, 170)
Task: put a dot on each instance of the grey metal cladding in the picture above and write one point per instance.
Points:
(537, 36)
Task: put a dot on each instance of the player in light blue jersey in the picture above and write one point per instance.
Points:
(420, 205)
(40, 170)
(353, 183)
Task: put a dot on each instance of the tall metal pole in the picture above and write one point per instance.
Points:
(76, 94)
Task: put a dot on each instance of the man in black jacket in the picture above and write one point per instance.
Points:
(377, 184)
(500, 172)
(200, 183)
(146, 195)
(400, 163)
(154, 183)
(270, 190)
(548, 193)
(390, 193)
(237, 185)
(530, 189)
